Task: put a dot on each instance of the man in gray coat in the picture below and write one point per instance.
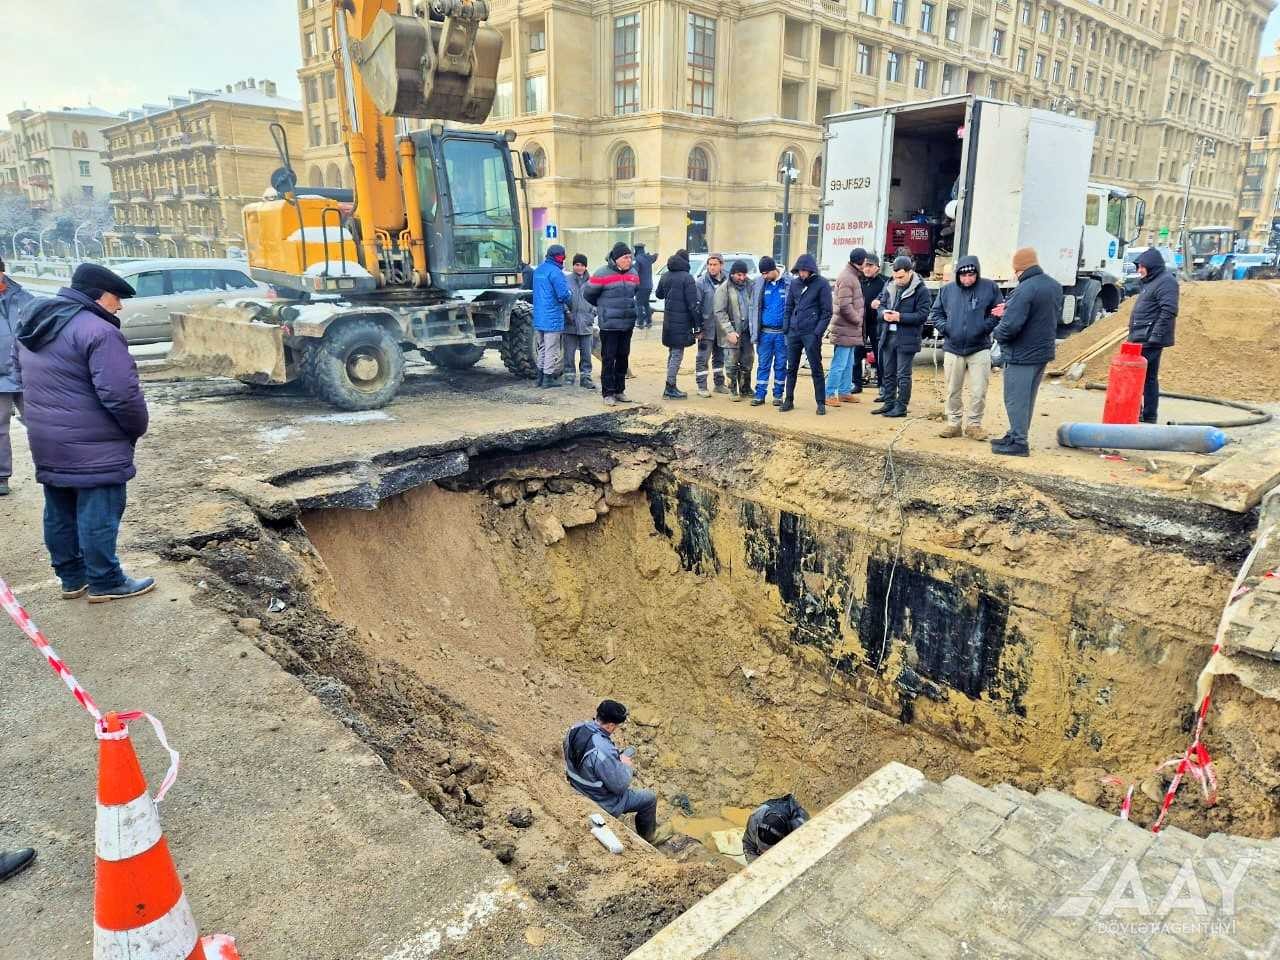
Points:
(739, 303)
(579, 328)
(713, 340)
(596, 769)
(771, 823)
(12, 299)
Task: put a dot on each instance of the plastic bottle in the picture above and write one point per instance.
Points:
(1124, 385)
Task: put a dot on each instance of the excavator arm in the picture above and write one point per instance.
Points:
(440, 64)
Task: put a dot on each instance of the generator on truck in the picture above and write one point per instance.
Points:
(954, 176)
(426, 252)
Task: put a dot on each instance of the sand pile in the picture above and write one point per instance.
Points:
(1228, 342)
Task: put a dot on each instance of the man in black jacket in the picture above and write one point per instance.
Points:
(808, 313)
(644, 270)
(872, 288)
(965, 312)
(612, 291)
(903, 309)
(681, 319)
(1027, 334)
(1152, 322)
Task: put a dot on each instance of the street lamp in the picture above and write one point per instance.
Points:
(790, 174)
(1203, 147)
(75, 239)
(42, 233)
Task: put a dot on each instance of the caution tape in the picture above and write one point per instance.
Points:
(23, 621)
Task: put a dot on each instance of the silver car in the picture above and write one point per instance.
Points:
(698, 266)
(179, 286)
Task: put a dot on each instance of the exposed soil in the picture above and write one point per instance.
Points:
(1227, 334)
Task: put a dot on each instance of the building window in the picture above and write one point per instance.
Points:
(948, 77)
(869, 6)
(953, 24)
(997, 42)
(624, 218)
(330, 85)
(898, 11)
(334, 136)
(699, 165)
(1057, 71)
(316, 135)
(539, 157)
(1038, 70)
(86, 191)
(538, 36)
(624, 165)
(1088, 81)
(1073, 76)
(84, 169)
(1024, 13)
(922, 74)
(777, 237)
(626, 64)
(1046, 21)
(815, 176)
(313, 89)
(812, 234)
(327, 39)
(993, 89)
(311, 45)
(926, 16)
(702, 64)
(535, 94)
(866, 63)
(893, 67)
(1022, 60)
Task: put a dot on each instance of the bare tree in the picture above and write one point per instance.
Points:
(17, 214)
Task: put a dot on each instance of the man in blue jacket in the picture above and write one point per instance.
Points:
(12, 299)
(808, 315)
(1027, 334)
(595, 768)
(965, 312)
(551, 294)
(770, 342)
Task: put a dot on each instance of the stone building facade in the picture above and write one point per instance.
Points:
(678, 114)
(182, 173)
(55, 156)
(1259, 212)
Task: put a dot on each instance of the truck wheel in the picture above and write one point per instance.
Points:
(519, 348)
(1097, 312)
(358, 366)
(456, 357)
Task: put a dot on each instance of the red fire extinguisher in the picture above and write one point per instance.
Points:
(1124, 385)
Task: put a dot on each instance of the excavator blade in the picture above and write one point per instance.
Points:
(432, 69)
(227, 341)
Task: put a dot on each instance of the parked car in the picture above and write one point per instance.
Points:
(698, 266)
(172, 286)
(1131, 278)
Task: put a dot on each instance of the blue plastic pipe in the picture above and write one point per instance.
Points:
(1142, 436)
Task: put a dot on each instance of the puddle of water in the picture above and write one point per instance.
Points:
(361, 416)
(274, 435)
(720, 834)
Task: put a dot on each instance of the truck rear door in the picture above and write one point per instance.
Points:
(858, 156)
(991, 199)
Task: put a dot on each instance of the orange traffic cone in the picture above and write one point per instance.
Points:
(140, 911)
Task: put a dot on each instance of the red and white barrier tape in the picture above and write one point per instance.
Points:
(24, 623)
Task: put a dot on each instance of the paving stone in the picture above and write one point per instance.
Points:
(1010, 792)
(1173, 843)
(1060, 801)
(973, 827)
(1126, 839)
(975, 793)
(1025, 829)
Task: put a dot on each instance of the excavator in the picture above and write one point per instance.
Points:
(425, 253)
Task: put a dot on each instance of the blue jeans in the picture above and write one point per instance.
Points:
(772, 355)
(644, 804)
(840, 376)
(80, 530)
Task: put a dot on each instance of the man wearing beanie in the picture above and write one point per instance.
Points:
(808, 315)
(85, 413)
(1027, 336)
(740, 305)
(903, 308)
(712, 295)
(579, 329)
(12, 299)
(770, 295)
(965, 312)
(595, 768)
(550, 297)
(847, 333)
(612, 291)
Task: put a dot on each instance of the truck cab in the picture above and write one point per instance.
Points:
(1113, 219)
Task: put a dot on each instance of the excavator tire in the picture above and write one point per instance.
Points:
(356, 366)
(519, 348)
(456, 357)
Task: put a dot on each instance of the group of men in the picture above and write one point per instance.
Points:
(597, 769)
(65, 370)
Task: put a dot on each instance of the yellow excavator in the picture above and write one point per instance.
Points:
(426, 253)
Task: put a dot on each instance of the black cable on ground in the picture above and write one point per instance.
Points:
(1258, 416)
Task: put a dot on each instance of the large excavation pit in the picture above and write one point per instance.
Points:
(781, 615)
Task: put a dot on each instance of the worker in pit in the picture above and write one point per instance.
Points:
(597, 770)
(770, 823)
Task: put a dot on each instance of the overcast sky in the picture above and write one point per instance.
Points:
(120, 53)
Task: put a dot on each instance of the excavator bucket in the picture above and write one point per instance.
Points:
(227, 341)
(438, 69)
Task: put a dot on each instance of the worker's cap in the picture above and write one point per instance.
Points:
(857, 256)
(873, 259)
(93, 281)
(611, 711)
(555, 252)
(774, 827)
(767, 264)
(966, 269)
(579, 258)
(619, 250)
(1024, 258)
(903, 263)
(739, 266)
(715, 256)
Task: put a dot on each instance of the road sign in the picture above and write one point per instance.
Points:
(552, 231)
(1164, 233)
(1112, 247)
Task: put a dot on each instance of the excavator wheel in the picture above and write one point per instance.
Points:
(456, 357)
(356, 366)
(519, 348)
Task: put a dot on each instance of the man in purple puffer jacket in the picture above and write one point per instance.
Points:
(84, 414)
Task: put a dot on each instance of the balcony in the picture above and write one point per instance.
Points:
(39, 180)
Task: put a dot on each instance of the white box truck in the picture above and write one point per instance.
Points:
(965, 175)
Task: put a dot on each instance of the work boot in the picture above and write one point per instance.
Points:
(833, 401)
(777, 401)
(130, 588)
(704, 393)
(610, 402)
(4, 487)
(1011, 449)
(975, 433)
(757, 401)
(950, 431)
(721, 388)
(884, 408)
(622, 398)
(74, 593)
(897, 410)
(586, 383)
(786, 406)
(542, 378)
(822, 409)
(672, 392)
(554, 381)
(849, 397)
(14, 862)
(737, 397)
(1001, 440)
